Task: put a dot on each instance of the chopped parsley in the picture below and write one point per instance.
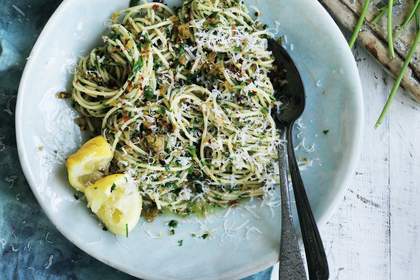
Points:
(134, 3)
(148, 93)
(326, 131)
(180, 242)
(113, 187)
(181, 50)
(173, 223)
(192, 150)
(145, 38)
(161, 110)
(205, 235)
(170, 185)
(264, 110)
(237, 49)
(136, 68)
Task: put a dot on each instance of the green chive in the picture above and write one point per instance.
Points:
(126, 230)
(400, 77)
(113, 187)
(379, 15)
(389, 28)
(359, 23)
(408, 19)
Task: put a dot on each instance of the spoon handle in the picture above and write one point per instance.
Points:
(314, 250)
(291, 264)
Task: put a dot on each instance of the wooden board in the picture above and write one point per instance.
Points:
(373, 37)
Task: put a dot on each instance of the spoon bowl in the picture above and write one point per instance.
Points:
(288, 85)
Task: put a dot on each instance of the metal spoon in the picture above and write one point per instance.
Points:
(290, 91)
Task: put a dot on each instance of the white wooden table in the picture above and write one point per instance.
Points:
(375, 232)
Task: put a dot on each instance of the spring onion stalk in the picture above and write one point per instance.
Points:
(379, 15)
(390, 29)
(399, 79)
(408, 19)
(359, 24)
(411, 15)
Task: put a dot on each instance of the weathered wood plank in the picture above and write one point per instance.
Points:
(405, 190)
(373, 38)
(404, 39)
(357, 237)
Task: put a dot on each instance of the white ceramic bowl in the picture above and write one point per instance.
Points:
(245, 240)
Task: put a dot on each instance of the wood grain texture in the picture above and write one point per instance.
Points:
(373, 37)
(405, 189)
(375, 232)
(358, 236)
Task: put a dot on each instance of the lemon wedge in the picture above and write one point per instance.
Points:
(117, 202)
(86, 165)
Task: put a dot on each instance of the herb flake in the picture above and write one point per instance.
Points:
(192, 151)
(173, 223)
(264, 110)
(134, 3)
(205, 235)
(148, 93)
(137, 66)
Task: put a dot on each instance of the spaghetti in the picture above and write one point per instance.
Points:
(184, 98)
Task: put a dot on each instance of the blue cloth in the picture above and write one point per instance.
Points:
(30, 246)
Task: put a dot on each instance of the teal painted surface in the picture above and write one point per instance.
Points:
(30, 246)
